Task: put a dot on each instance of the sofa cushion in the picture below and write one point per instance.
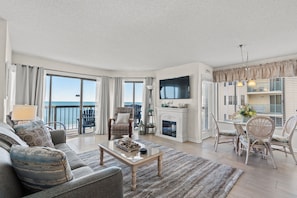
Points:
(34, 133)
(74, 161)
(8, 137)
(10, 184)
(40, 168)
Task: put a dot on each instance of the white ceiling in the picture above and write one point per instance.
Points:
(151, 34)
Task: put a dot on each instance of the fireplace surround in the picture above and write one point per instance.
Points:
(172, 123)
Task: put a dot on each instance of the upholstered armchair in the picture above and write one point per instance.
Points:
(121, 123)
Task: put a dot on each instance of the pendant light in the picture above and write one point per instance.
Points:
(251, 82)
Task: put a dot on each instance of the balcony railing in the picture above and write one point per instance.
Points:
(68, 115)
(268, 108)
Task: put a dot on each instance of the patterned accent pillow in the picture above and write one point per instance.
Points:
(40, 168)
(34, 133)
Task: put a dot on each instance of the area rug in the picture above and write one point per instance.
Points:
(183, 175)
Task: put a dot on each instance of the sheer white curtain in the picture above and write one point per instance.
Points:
(29, 86)
(102, 105)
(118, 92)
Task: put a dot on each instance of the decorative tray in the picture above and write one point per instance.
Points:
(127, 144)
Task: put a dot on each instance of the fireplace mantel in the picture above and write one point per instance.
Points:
(175, 115)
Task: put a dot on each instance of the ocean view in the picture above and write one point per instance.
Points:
(67, 112)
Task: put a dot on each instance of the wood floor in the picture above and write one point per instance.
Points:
(258, 180)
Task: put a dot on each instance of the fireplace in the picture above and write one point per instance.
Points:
(169, 128)
(172, 123)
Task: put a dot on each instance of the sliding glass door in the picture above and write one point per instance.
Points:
(68, 99)
(133, 91)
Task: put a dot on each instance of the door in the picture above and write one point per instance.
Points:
(207, 106)
(67, 98)
(133, 91)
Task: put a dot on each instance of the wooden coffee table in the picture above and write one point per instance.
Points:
(133, 159)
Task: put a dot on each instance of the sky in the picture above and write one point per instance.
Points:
(66, 89)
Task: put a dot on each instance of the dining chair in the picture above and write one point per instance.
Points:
(239, 132)
(223, 135)
(284, 140)
(259, 131)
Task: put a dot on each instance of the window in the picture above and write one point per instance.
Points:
(232, 100)
(270, 97)
(66, 98)
(133, 98)
(242, 100)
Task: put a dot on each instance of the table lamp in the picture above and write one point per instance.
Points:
(23, 113)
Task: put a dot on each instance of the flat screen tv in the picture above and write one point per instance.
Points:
(175, 88)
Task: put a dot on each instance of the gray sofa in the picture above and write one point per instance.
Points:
(85, 183)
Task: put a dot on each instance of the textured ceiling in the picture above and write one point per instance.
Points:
(151, 34)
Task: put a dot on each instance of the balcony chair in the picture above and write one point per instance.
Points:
(259, 130)
(284, 140)
(88, 119)
(224, 135)
(121, 124)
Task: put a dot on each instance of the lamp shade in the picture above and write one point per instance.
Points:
(24, 112)
(239, 84)
(251, 83)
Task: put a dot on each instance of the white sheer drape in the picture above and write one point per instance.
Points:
(118, 92)
(102, 105)
(29, 86)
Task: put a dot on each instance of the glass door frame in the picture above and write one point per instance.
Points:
(80, 122)
(207, 107)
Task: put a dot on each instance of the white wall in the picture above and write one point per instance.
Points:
(53, 65)
(197, 73)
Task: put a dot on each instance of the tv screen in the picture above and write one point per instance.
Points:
(175, 88)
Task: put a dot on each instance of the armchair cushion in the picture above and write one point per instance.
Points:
(122, 118)
(34, 134)
(40, 168)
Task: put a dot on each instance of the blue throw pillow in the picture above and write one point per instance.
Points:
(40, 168)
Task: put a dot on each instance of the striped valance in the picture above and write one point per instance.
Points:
(286, 68)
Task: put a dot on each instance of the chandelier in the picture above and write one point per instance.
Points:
(250, 82)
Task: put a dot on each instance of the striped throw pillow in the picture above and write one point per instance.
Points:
(40, 168)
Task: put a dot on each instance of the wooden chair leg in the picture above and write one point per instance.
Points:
(109, 135)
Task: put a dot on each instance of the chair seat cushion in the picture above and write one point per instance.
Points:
(40, 168)
(280, 138)
(228, 132)
(120, 129)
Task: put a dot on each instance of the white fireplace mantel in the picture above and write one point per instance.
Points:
(178, 115)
